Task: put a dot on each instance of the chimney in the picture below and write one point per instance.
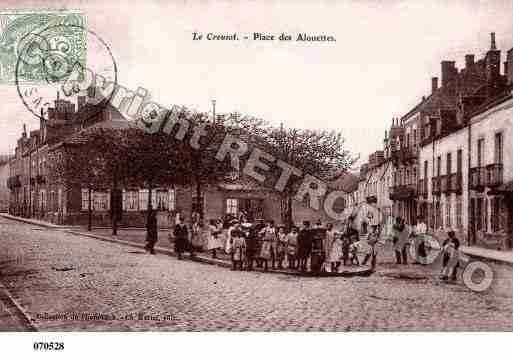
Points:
(434, 84)
(24, 133)
(449, 72)
(469, 61)
(509, 60)
(492, 66)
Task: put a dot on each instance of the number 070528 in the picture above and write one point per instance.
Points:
(48, 346)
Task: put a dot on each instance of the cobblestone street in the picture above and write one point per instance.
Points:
(54, 275)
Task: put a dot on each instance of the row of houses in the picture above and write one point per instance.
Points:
(446, 161)
(35, 193)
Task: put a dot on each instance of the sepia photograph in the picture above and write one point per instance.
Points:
(255, 166)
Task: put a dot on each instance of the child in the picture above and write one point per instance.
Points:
(372, 242)
(292, 248)
(353, 250)
(238, 248)
(281, 246)
(268, 235)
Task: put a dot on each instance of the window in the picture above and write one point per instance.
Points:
(449, 164)
(143, 199)
(459, 161)
(131, 200)
(85, 199)
(231, 206)
(42, 200)
(478, 217)
(480, 152)
(162, 197)
(496, 215)
(425, 170)
(448, 223)
(438, 165)
(498, 148)
(100, 201)
(172, 200)
(459, 211)
(415, 138)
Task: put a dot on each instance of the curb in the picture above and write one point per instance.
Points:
(200, 259)
(20, 312)
(31, 221)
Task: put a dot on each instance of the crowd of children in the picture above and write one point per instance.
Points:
(266, 245)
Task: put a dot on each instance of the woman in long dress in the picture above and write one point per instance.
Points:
(336, 252)
(292, 248)
(238, 248)
(281, 246)
(328, 242)
(214, 241)
(268, 237)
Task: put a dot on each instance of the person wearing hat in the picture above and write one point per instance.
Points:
(181, 234)
(450, 251)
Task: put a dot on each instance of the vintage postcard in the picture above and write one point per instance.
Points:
(201, 166)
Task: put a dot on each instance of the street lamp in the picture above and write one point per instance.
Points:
(214, 112)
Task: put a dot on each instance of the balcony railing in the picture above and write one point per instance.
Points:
(435, 186)
(408, 154)
(403, 192)
(422, 188)
(455, 185)
(13, 182)
(444, 184)
(477, 178)
(494, 175)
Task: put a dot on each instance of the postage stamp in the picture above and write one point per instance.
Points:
(36, 43)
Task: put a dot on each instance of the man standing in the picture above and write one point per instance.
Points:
(151, 231)
(304, 245)
(181, 235)
(401, 254)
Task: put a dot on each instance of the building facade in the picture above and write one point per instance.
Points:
(449, 153)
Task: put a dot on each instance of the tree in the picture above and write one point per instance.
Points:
(320, 153)
(206, 169)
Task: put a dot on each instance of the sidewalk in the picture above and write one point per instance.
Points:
(136, 238)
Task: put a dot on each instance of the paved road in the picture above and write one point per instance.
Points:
(58, 276)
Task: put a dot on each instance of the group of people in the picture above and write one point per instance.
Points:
(417, 239)
(264, 244)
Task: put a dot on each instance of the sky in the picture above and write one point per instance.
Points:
(379, 67)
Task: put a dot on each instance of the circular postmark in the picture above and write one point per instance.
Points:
(65, 72)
